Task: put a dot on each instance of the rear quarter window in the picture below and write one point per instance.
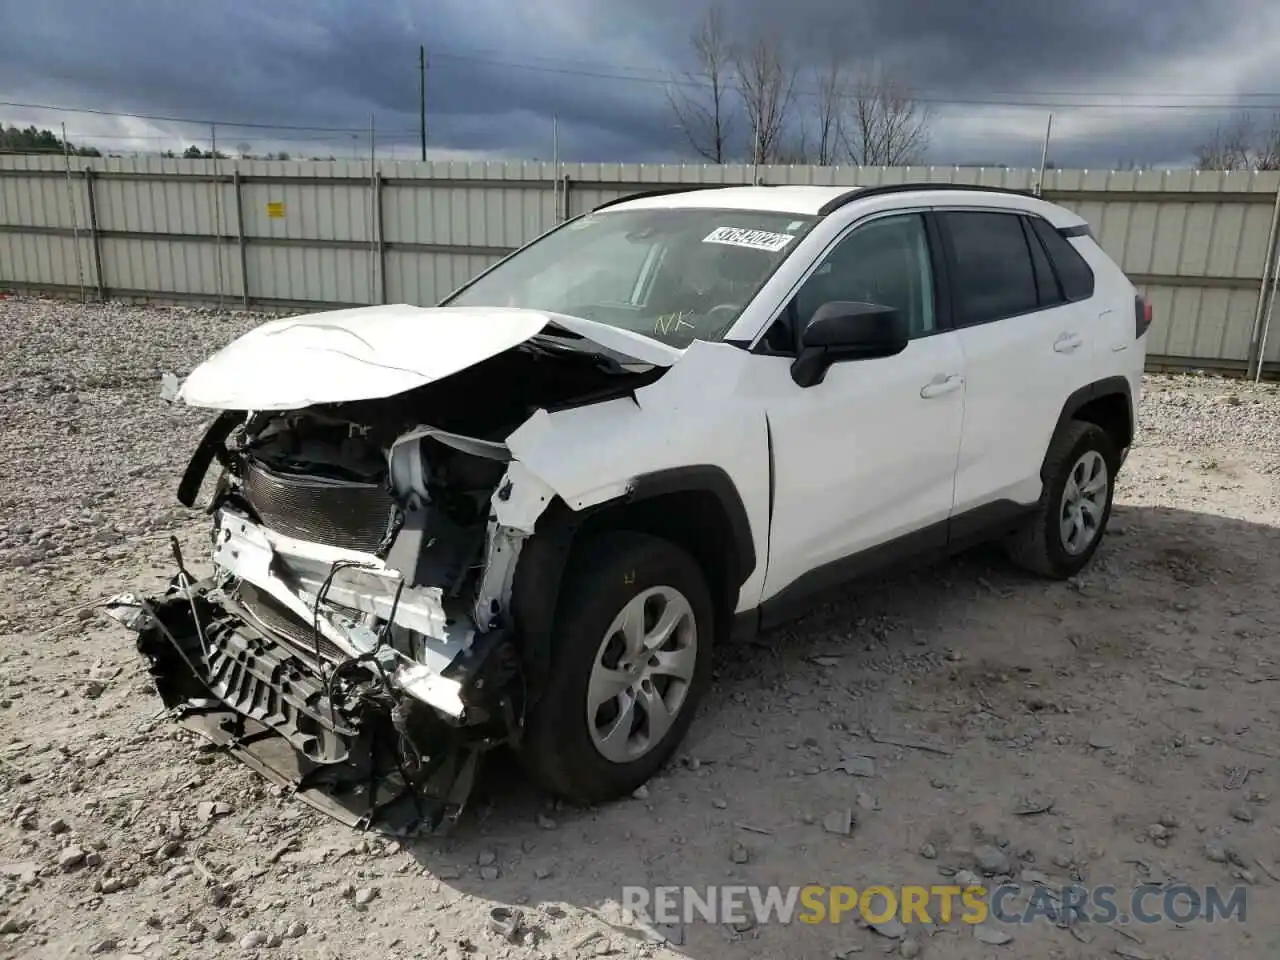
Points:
(1073, 272)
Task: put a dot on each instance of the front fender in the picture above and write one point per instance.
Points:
(690, 428)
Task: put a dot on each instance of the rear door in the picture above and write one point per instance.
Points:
(1086, 273)
(1026, 349)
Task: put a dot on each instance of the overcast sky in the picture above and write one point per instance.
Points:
(499, 70)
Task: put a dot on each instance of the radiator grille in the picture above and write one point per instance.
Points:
(352, 516)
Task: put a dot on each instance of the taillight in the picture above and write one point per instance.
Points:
(1142, 316)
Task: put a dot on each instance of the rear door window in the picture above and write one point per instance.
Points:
(993, 276)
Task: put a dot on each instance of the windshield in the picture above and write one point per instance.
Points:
(676, 275)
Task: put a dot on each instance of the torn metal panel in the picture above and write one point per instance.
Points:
(295, 574)
(520, 499)
(493, 595)
(545, 449)
(489, 449)
(295, 571)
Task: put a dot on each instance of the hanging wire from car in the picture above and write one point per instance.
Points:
(334, 569)
(408, 755)
(383, 637)
(187, 581)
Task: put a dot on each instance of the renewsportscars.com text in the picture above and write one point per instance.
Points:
(1008, 904)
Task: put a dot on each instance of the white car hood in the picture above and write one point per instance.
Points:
(366, 353)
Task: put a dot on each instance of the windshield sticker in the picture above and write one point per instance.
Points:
(755, 239)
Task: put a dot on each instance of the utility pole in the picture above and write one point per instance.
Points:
(75, 217)
(755, 151)
(1044, 154)
(422, 97)
(555, 168)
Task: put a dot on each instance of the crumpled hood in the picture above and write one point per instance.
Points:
(366, 353)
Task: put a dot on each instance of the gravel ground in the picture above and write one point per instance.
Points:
(1116, 730)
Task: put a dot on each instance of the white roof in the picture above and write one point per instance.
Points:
(808, 200)
(788, 199)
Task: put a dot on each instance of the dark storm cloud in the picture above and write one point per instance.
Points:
(500, 69)
(327, 64)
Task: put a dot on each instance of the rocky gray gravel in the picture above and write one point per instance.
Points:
(961, 724)
(1200, 411)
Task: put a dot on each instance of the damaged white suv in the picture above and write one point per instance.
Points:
(524, 517)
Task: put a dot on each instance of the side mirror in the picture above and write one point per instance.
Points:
(846, 330)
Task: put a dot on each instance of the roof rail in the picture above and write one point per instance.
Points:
(666, 191)
(862, 193)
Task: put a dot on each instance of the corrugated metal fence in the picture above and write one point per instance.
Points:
(327, 233)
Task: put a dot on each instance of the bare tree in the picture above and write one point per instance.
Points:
(1267, 152)
(701, 101)
(813, 135)
(883, 124)
(794, 147)
(832, 89)
(766, 83)
(1228, 148)
(1240, 146)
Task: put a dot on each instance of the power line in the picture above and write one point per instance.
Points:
(165, 119)
(655, 75)
(422, 97)
(382, 136)
(1048, 100)
(1054, 99)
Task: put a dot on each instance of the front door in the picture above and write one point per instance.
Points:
(866, 458)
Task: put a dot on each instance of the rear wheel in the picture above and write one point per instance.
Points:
(630, 660)
(1060, 537)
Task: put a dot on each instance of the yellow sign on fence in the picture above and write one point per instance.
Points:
(275, 209)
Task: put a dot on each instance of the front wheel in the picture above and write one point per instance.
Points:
(1060, 537)
(630, 659)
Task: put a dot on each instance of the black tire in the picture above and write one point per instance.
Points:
(1038, 545)
(603, 576)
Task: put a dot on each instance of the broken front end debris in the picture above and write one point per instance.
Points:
(353, 640)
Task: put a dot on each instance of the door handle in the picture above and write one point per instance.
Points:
(1068, 342)
(941, 385)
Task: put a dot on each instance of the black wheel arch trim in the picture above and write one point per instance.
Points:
(539, 574)
(1106, 387)
(702, 478)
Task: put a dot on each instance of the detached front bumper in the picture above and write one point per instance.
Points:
(370, 732)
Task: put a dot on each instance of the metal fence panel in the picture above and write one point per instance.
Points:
(185, 267)
(318, 233)
(334, 205)
(427, 279)
(47, 260)
(296, 273)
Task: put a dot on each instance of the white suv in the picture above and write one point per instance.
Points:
(523, 517)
